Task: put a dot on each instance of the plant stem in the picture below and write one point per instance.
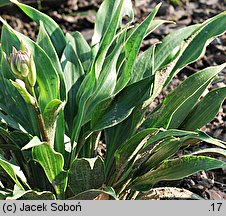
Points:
(39, 117)
(41, 123)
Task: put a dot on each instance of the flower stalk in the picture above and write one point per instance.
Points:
(23, 68)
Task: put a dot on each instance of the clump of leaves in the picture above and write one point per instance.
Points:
(61, 97)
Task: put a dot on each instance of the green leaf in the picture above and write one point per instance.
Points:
(205, 110)
(86, 174)
(168, 49)
(19, 194)
(48, 82)
(52, 163)
(45, 43)
(106, 14)
(82, 49)
(211, 151)
(192, 139)
(50, 115)
(53, 30)
(196, 45)
(7, 167)
(4, 3)
(188, 137)
(176, 169)
(179, 102)
(144, 65)
(129, 149)
(167, 133)
(73, 73)
(114, 110)
(117, 135)
(107, 40)
(93, 193)
(162, 151)
(132, 47)
(106, 82)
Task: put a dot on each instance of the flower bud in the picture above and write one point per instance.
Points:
(23, 66)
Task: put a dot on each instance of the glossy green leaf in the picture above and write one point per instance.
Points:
(82, 49)
(72, 66)
(86, 174)
(205, 110)
(107, 40)
(188, 137)
(52, 163)
(106, 82)
(166, 134)
(44, 41)
(107, 10)
(130, 148)
(143, 66)
(196, 45)
(73, 73)
(84, 92)
(179, 102)
(176, 169)
(53, 30)
(132, 47)
(117, 135)
(193, 139)
(168, 49)
(162, 151)
(114, 110)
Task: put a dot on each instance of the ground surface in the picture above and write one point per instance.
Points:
(79, 15)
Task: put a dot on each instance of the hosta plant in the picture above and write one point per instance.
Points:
(62, 100)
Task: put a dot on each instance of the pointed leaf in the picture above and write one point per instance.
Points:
(196, 45)
(176, 169)
(132, 47)
(130, 148)
(106, 14)
(82, 49)
(179, 102)
(211, 151)
(114, 110)
(54, 31)
(45, 43)
(205, 110)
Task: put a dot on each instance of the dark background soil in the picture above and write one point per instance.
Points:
(79, 15)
